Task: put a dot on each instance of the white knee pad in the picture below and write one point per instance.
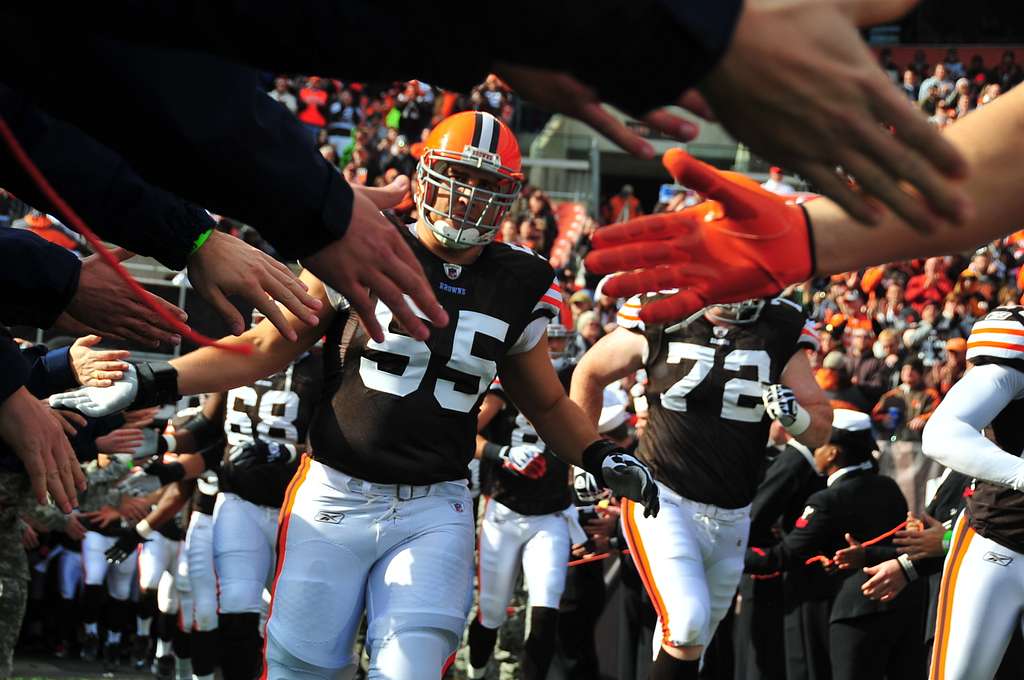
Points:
(241, 596)
(283, 665)
(167, 595)
(120, 578)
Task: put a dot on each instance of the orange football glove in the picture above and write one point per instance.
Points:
(761, 245)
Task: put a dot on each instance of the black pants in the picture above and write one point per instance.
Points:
(758, 631)
(582, 603)
(877, 646)
(806, 636)
(636, 623)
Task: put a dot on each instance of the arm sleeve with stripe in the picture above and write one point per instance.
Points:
(953, 434)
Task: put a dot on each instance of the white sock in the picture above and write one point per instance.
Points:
(113, 637)
(477, 673)
(208, 676)
(92, 629)
(163, 648)
(142, 626)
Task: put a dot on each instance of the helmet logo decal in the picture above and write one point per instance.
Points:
(452, 271)
(480, 155)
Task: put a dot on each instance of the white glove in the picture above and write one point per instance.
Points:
(100, 401)
(588, 491)
(626, 476)
(780, 404)
(525, 459)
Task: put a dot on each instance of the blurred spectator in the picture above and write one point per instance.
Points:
(607, 308)
(580, 302)
(343, 115)
(1008, 73)
(960, 90)
(864, 368)
(776, 184)
(538, 206)
(989, 94)
(314, 105)
(509, 232)
(623, 206)
(911, 84)
(834, 379)
(930, 286)
(887, 350)
(976, 69)
(903, 411)
(888, 65)
(282, 94)
(923, 339)
(938, 80)
(589, 328)
(920, 63)
(892, 311)
(942, 376)
(491, 96)
(954, 67)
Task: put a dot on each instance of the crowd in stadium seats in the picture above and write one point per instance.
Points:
(949, 89)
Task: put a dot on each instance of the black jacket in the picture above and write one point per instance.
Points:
(861, 503)
(162, 84)
(781, 498)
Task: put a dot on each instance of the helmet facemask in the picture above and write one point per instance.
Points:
(741, 313)
(480, 220)
(561, 346)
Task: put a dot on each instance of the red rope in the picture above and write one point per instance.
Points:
(79, 225)
(595, 558)
(877, 539)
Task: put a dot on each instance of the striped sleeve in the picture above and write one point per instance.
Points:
(547, 308)
(629, 314)
(809, 337)
(996, 338)
(550, 304)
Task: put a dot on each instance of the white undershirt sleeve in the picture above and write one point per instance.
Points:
(953, 434)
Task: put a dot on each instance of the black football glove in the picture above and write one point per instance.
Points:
(167, 473)
(623, 473)
(126, 544)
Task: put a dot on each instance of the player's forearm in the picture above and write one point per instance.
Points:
(587, 391)
(956, 444)
(171, 501)
(818, 432)
(992, 141)
(216, 370)
(565, 429)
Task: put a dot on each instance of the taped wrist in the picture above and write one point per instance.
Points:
(800, 423)
(494, 452)
(158, 384)
(593, 458)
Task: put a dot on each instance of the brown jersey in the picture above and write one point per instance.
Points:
(707, 427)
(404, 411)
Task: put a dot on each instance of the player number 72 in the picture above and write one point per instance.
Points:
(703, 357)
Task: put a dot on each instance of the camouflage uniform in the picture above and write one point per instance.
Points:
(16, 498)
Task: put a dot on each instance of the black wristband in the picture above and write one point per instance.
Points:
(167, 473)
(492, 451)
(158, 384)
(593, 457)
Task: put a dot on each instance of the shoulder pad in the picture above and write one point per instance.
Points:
(998, 338)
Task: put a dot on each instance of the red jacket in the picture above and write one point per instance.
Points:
(918, 294)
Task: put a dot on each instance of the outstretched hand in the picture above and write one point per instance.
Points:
(373, 260)
(744, 243)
